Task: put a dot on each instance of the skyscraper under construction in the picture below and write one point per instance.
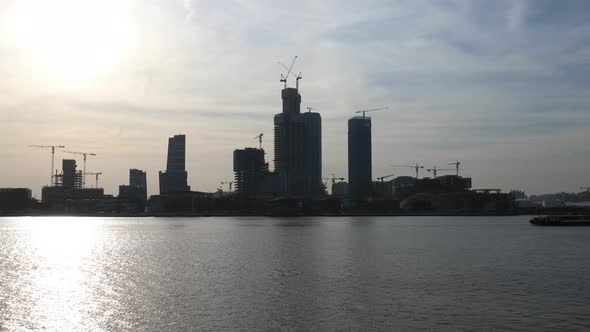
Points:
(298, 147)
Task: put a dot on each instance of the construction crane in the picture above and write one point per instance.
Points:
(95, 174)
(309, 109)
(435, 170)
(230, 183)
(53, 147)
(259, 137)
(381, 178)
(371, 110)
(456, 163)
(289, 70)
(84, 154)
(333, 179)
(416, 167)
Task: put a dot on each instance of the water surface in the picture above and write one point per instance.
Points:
(357, 273)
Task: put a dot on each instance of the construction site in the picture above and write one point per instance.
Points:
(294, 186)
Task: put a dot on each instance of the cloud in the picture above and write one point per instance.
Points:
(486, 82)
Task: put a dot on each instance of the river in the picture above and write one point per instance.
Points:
(347, 273)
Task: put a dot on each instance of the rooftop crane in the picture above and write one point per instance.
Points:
(456, 163)
(84, 154)
(96, 174)
(260, 140)
(371, 110)
(289, 69)
(334, 178)
(435, 170)
(230, 183)
(309, 109)
(53, 147)
(416, 167)
(381, 178)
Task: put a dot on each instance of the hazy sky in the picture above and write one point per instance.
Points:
(503, 86)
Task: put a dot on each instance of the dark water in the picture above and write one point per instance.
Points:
(386, 273)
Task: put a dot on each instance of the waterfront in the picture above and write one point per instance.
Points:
(359, 273)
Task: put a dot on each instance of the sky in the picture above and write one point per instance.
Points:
(501, 86)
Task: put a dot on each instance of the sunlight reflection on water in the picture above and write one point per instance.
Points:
(178, 274)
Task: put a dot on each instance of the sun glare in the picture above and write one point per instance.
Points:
(70, 39)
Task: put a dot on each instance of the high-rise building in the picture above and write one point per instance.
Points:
(136, 191)
(174, 179)
(137, 178)
(250, 170)
(70, 178)
(298, 147)
(359, 157)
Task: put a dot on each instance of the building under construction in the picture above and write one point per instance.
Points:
(68, 187)
(70, 178)
(249, 171)
(298, 148)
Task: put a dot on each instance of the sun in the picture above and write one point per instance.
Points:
(70, 39)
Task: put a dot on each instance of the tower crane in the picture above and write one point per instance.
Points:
(84, 154)
(96, 174)
(381, 178)
(53, 147)
(416, 167)
(456, 163)
(230, 183)
(371, 110)
(334, 178)
(289, 69)
(435, 170)
(260, 140)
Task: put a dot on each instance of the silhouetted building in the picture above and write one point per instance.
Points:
(404, 185)
(137, 178)
(340, 189)
(58, 198)
(15, 200)
(70, 178)
(359, 157)
(383, 188)
(298, 147)
(250, 170)
(174, 179)
(136, 192)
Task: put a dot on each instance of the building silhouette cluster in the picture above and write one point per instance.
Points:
(293, 187)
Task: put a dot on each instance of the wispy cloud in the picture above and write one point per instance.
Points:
(486, 82)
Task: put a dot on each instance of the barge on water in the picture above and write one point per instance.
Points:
(567, 220)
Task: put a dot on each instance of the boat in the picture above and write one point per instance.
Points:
(562, 220)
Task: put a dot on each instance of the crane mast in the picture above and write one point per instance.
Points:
(416, 167)
(456, 163)
(435, 170)
(381, 178)
(53, 147)
(285, 77)
(95, 174)
(84, 154)
(259, 137)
